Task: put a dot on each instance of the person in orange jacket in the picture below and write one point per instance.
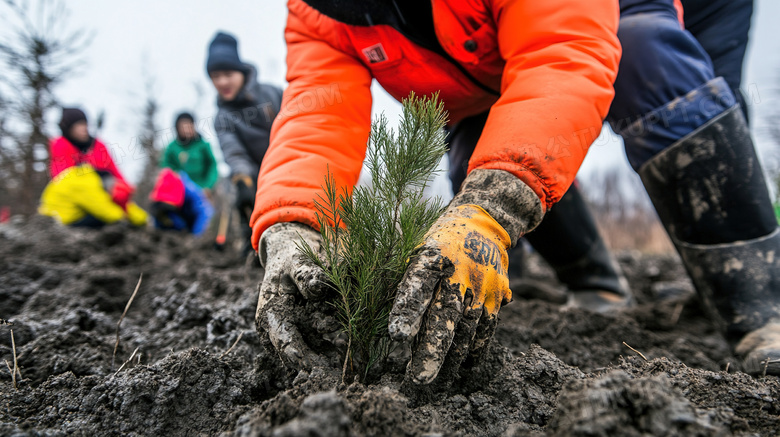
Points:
(544, 70)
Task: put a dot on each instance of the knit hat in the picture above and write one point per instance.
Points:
(71, 116)
(223, 55)
(184, 116)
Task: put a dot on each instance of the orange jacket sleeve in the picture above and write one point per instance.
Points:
(309, 136)
(555, 91)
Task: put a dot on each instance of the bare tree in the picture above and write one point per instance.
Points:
(38, 52)
(148, 141)
(7, 154)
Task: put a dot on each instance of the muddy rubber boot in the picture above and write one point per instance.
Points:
(569, 241)
(710, 193)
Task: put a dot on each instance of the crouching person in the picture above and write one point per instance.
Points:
(80, 196)
(179, 204)
(191, 154)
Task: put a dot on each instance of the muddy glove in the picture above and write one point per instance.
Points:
(451, 292)
(289, 276)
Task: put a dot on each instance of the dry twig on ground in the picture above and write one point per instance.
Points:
(11, 370)
(16, 366)
(125, 363)
(119, 324)
(766, 365)
(241, 334)
(640, 353)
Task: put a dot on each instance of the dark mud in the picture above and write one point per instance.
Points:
(552, 371)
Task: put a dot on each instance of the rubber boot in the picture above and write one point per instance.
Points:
(709, 191)
(569, 241)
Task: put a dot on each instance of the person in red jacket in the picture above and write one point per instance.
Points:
(76, 146)
(544, 70)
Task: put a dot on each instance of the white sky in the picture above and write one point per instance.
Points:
(168, 41)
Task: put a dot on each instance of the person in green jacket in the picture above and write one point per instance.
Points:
(191, 154)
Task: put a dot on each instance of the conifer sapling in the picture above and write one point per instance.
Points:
(370, 233)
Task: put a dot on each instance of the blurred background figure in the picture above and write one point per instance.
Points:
(243, 124)
(178, 203)
(80, 196)
(190, 154)
(76, 146)
(87, 189)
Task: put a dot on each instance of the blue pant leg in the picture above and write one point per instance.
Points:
(89, 221)
(666, 87)
(722, 27)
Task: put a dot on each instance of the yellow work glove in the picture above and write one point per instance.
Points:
(244, 179)
(135, 214)
(448, 300)
(462, 268)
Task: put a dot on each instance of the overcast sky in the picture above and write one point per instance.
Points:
(167, 42)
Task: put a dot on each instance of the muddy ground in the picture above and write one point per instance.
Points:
(551, 372)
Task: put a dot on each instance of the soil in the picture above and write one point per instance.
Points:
(551, 371)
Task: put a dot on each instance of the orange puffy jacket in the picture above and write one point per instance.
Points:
(551, 63)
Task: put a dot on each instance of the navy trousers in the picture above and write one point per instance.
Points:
(672, 79)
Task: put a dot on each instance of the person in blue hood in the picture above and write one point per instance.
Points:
(179, 204)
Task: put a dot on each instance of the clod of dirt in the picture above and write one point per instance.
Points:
(615, 404)
(321, 414)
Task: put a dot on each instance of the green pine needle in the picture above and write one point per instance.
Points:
(370, 234)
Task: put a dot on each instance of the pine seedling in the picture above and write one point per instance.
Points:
(370, 233)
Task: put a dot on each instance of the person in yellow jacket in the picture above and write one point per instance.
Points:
(79, 196)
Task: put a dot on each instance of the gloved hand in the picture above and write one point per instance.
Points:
(462, 267)
(289, 276)
(163, 213)
(453, 289)
(245, 188)
(136, 216)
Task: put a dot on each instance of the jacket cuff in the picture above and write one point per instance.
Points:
(512, 203)
(285, 214)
